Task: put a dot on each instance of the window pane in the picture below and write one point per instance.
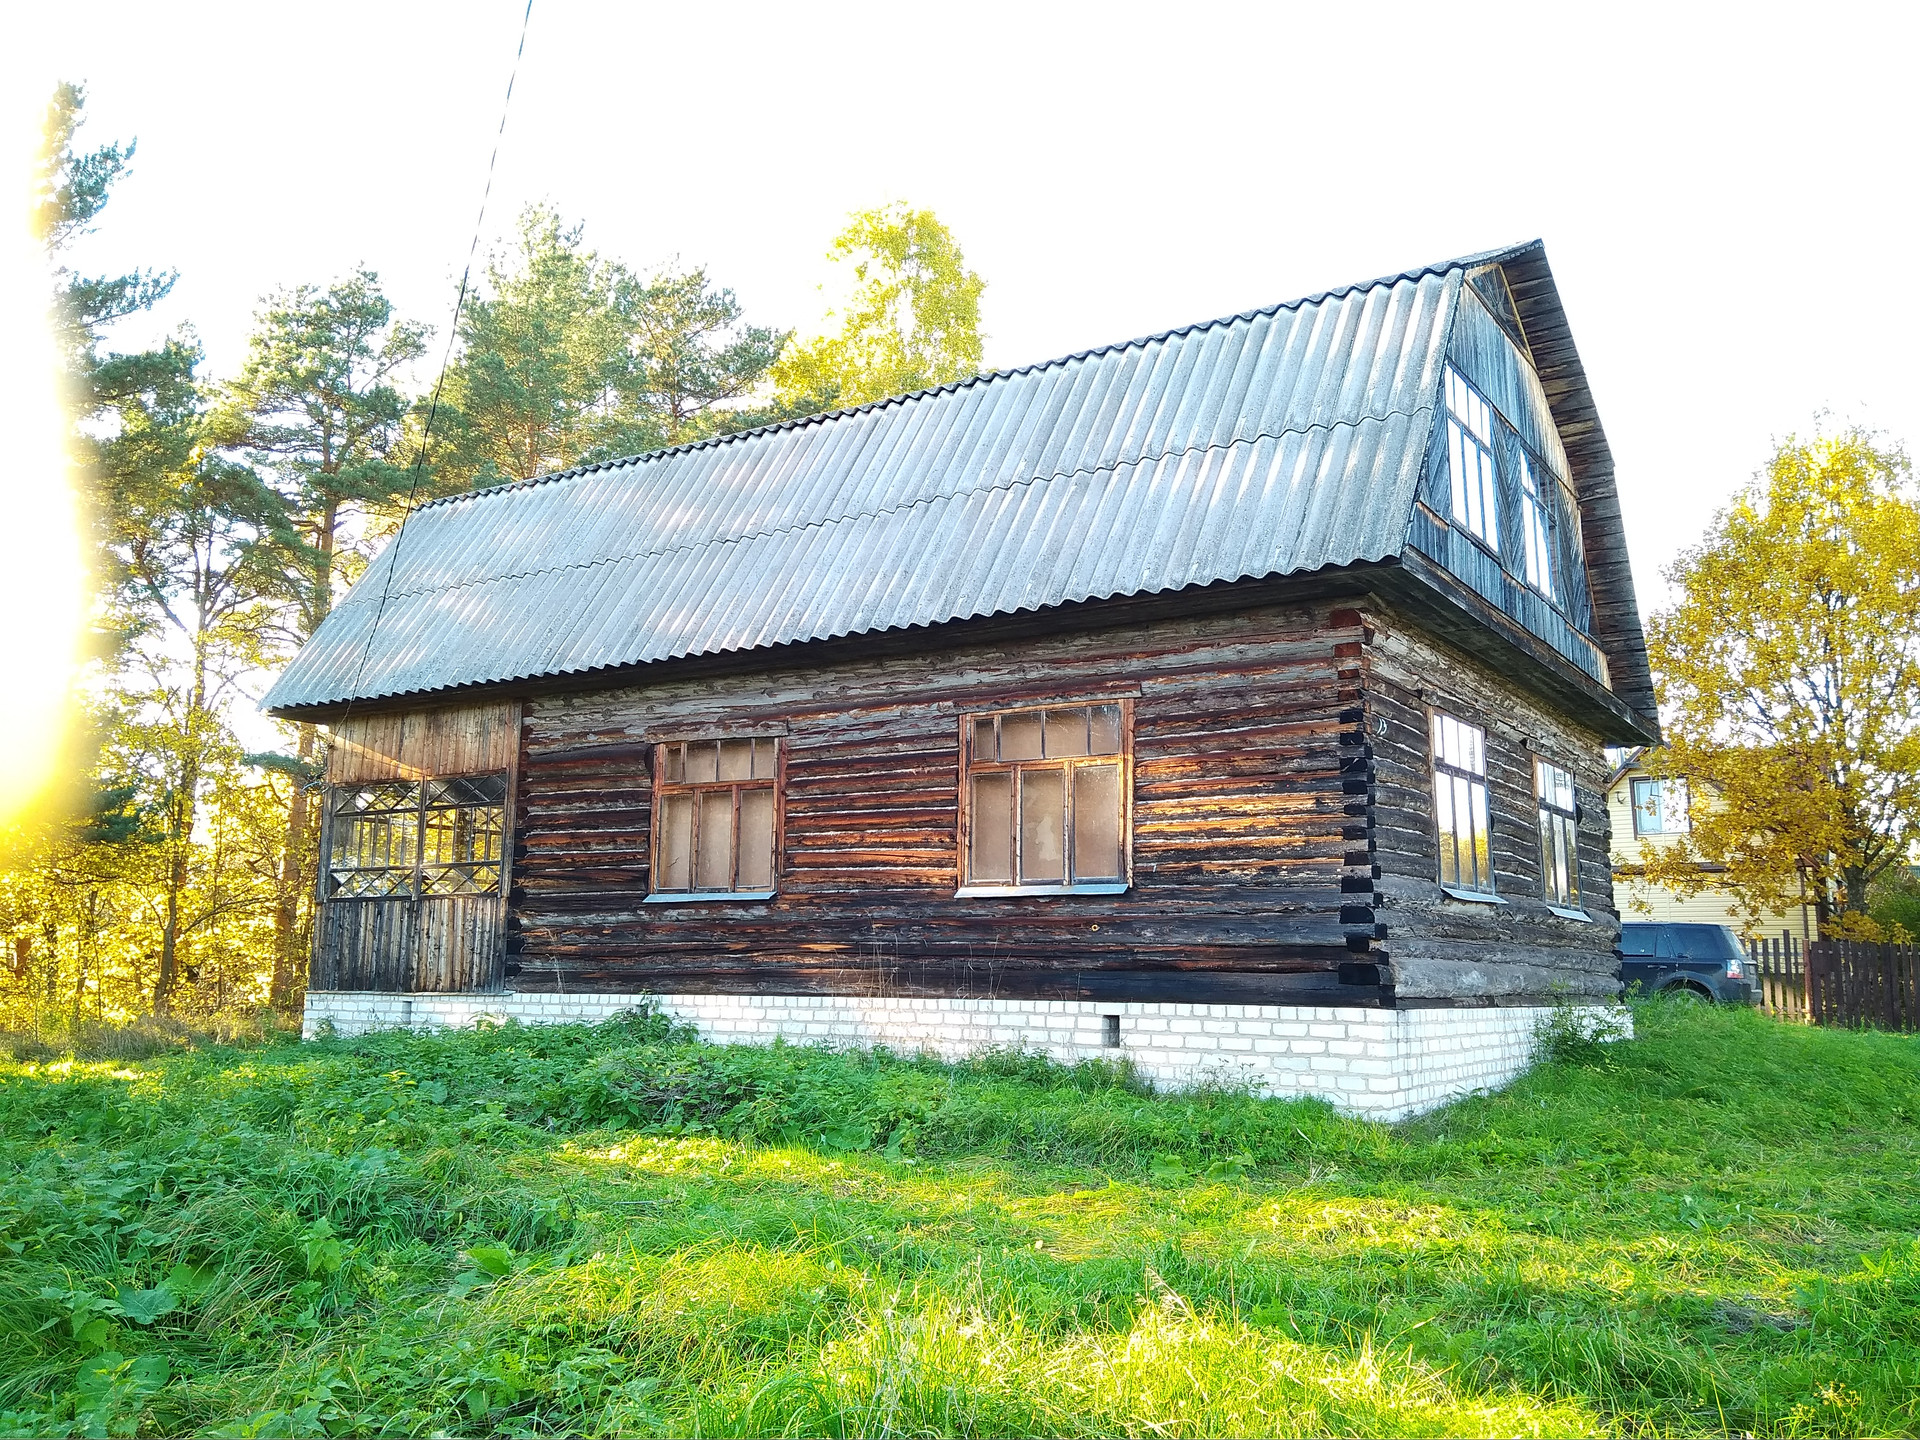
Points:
(736, 759)
(468, 790)
(983, 739)
(676, 764)
(459, 879)
(1482, 840)
(703, 761)
(756, 839)
(763, 759)
(713, 869)
(1096, 822)
(372, 884)
(1066, 732)
(1489, 499)
(380, 840)
(1020, 736)
(676, 844)
(390, 795)
(992, 820)
(1445, 824)
(1648, 810)
(1043, 825)
(1457, 470)
(1103, 723)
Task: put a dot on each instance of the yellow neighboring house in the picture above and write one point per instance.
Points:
(1643, 808)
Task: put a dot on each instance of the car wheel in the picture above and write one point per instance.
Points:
(1686, 995)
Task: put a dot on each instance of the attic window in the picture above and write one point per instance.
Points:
(1476, 492)
(1536, 521)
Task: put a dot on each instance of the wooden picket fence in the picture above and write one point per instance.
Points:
(1849, 983)
(1780, 972)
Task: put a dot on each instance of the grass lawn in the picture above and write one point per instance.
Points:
(617, 1231)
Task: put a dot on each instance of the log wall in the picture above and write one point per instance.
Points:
(1454, 951)
(1246, 737)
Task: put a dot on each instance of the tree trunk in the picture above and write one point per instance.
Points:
(1854, 877)
(184, 804)
(295, 882)
(170, 932)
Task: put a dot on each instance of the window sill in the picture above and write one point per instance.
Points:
(972, 892)
(1565, 914)
(1475, 897)
(708, 897)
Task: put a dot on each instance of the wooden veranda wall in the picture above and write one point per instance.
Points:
(445, 942)
(416, 744)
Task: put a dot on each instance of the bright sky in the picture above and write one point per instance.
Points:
(1727, 194)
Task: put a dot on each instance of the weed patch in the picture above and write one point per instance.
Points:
(617, 1230)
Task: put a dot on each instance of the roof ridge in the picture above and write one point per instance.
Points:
(1440, 267)
(914, 504)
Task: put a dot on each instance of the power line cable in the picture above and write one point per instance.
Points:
(446, 360)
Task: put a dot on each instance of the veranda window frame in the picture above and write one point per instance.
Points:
(1557, 803)
(425, 874)
(666, 789)
(972, 765)
(1458, 767)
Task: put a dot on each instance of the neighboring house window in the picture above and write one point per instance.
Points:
(1559, 834)
(714, 817)
(1660, 807)
(401, 839)
(1536, 520)
(1460, 805)
(1047, 798)
(1476, 492)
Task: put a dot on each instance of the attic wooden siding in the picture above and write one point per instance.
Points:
(421, 744)
(1244, 726)
(1454, 951)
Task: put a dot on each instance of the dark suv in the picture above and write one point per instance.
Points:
(1701, 962)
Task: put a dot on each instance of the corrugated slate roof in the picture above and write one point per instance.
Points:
(1275, 441)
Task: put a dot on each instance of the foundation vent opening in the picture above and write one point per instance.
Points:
(1112, 1029)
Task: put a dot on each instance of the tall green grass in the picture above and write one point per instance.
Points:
(620, 1231)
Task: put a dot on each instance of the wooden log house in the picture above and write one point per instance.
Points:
(1173, 696)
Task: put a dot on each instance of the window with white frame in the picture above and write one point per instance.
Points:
(1460, 805)
(1536, 521)
(1476, 490)
(1660, 807)
(1559, 834)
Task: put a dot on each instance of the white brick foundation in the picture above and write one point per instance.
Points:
(1381, 1064)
